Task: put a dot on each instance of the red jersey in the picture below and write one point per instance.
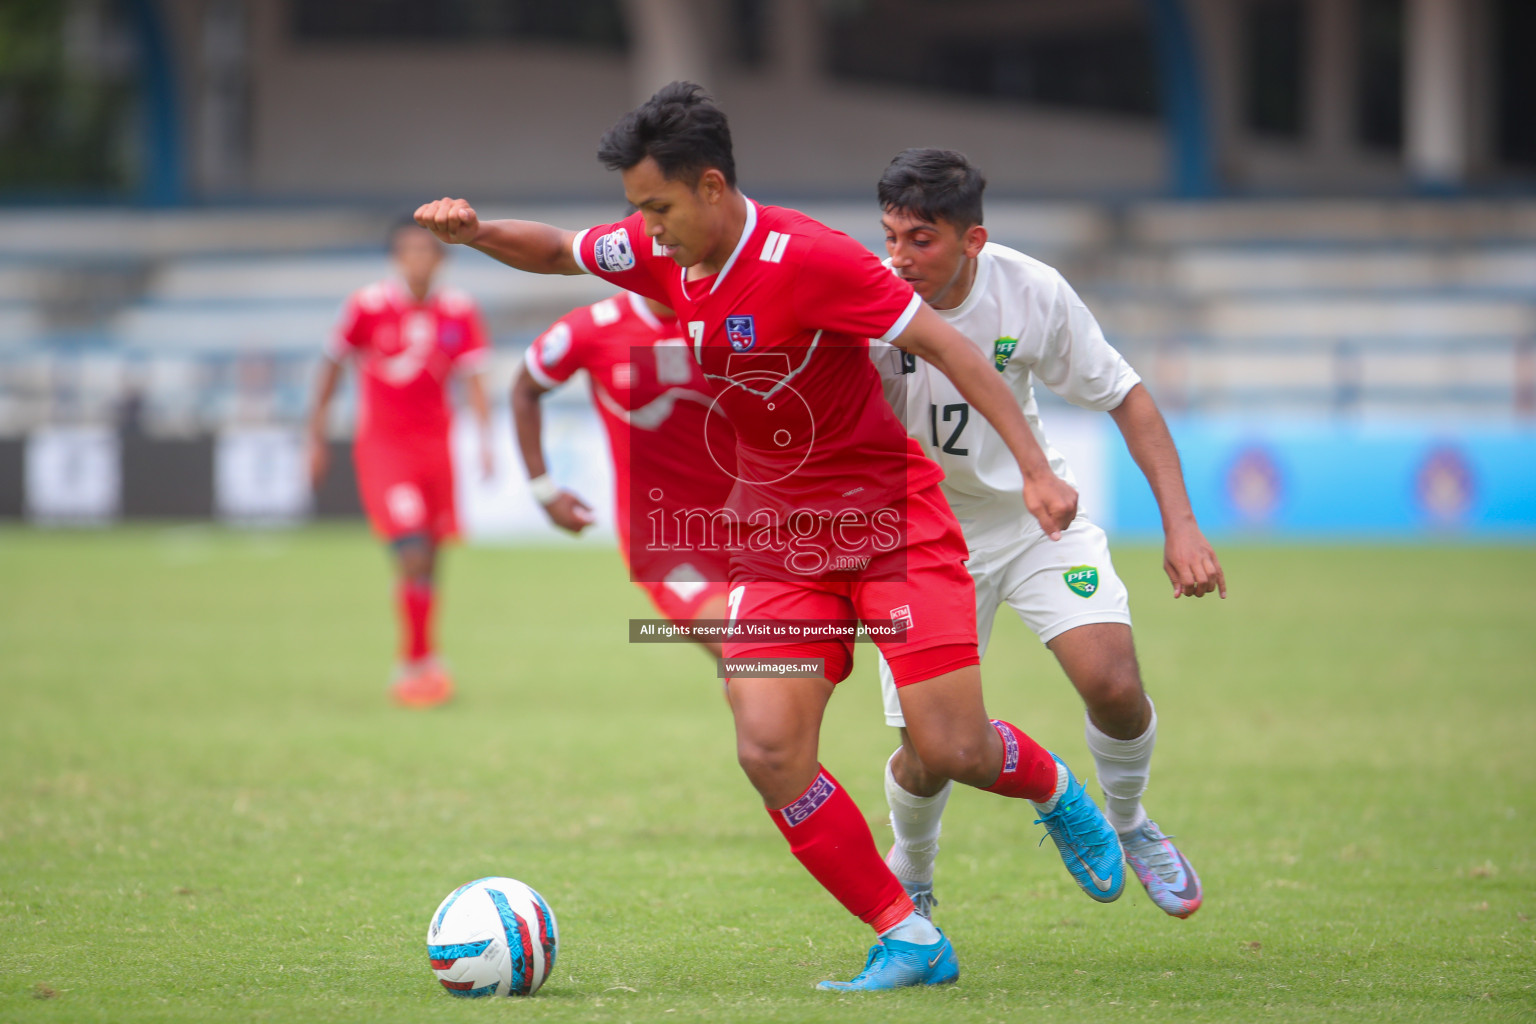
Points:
(781, 333)
(654, 404)
(405, 352)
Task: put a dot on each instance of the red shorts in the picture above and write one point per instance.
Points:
(936, 601)
(407, 489)
(678, 584)
(682, 601)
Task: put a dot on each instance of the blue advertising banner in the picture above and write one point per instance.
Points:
(1348, 481)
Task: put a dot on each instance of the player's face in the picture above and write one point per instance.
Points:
(935, 257)
(686, 220)
(417, 256)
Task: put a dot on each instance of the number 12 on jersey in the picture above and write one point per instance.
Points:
(960, 413)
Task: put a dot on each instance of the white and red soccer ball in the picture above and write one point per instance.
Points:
(492, 937)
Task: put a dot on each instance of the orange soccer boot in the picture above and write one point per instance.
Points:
(422, 685)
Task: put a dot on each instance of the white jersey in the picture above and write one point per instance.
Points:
(1030, 324)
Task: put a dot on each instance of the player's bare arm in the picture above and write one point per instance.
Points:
(564, 508)
(325, 390)
(1049, 498)
(481, 408)
(523, 244)
(1188, 558)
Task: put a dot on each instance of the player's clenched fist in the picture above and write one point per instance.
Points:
(1052, 501)
(569, 512)
(452, 220)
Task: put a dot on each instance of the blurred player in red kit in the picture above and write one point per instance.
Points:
(407, 340)
(654, 404)
(842, 517)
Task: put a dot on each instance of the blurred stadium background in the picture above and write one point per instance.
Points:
(1310, 224)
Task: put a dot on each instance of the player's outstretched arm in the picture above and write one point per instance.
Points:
(564, 509)
(1051, 499)
(1188, 558)
(523, 244)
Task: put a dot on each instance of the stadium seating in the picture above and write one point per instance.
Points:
(1374, 308)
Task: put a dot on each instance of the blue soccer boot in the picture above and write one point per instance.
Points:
(1088, 845)
(896, 964)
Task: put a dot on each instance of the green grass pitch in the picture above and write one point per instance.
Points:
(209, 811)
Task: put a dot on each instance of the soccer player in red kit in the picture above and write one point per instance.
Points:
(778, 310)
(654, 405)
(407, 339)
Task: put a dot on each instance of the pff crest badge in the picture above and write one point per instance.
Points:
(1082, 580)
(1002, 351)
(741, 333)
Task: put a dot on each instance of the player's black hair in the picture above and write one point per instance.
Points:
(934, 184)
(680, 128)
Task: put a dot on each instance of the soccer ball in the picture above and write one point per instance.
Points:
(492, 937)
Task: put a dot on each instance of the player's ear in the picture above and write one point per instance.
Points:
(711, 185)
(975, 238)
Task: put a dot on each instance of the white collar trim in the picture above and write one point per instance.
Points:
(978, 285)
(400, 292)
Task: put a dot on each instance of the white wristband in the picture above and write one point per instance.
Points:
(543, 489)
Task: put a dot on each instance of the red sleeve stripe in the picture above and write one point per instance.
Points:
(537, 372)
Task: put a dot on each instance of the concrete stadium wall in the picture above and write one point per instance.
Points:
(500, 120)
(261, 113)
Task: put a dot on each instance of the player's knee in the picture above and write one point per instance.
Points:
(1116, 694)
(955, 757)
(765, 762)
(413, 554)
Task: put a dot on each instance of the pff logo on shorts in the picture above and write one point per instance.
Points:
(1082, 580)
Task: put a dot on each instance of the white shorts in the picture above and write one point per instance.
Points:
(1053, 585)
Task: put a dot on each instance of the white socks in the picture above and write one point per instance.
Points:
(1123, 769)
(916, 821)
(914, 928)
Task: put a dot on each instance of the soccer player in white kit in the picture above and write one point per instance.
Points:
(1025, 317)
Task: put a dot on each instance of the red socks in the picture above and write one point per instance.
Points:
(1029, 770)
(829, 835)
(415, 598)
